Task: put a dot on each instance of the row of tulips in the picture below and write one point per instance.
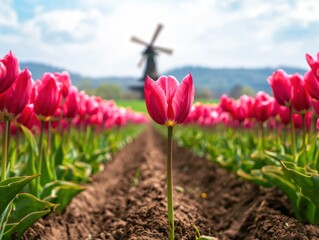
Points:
(54, 138)
(269, 140)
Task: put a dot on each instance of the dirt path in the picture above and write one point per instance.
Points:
(128, 201)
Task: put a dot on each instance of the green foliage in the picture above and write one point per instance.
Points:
(241, 151)
(69, 159)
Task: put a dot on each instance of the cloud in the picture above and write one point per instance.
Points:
(66, 26)
(92, 37)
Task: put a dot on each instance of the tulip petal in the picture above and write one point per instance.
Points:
(155, 100)
(169, 84)
(311, 85)
(183, 99)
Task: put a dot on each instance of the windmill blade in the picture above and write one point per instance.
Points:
(140, 63)
(157, 31)
(163, 49)
(137, 40)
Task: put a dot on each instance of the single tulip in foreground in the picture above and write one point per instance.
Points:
(169, 103)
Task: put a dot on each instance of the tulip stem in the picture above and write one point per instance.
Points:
(293, 136)
(39, 164)
(304, 135)
(5, 148)
(170, 184)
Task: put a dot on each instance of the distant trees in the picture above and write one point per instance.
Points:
(238, 90)
(108, 91)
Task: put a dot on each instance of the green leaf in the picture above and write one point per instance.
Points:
(30, 138)
(59, 156)
(308, 182)
(10, 187)
(254, 176)
(25, 203)
(20, 227)
(60, 192)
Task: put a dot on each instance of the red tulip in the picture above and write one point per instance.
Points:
(47, 97)
(281, 87)
(64, 79)
(312, 85)
(9, 70)
(315, 106)
(284, 114)
(263, 106)
(71, 103)
(226, 103)
(167, 101)
(314, 65)
(239, 111)
(300, 99)
(13, 101)
(28, 118)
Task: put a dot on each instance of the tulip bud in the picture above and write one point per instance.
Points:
(47, 97)
(13, 101)
(281, 87)
(64, 79)
(312, 85)
(263, 106)
(314, 65)
(168, 102)
(71, 103)
(9, 70)
(300, 99)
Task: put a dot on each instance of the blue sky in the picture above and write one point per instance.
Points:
(92, 37)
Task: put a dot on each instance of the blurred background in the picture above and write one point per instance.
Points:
(229, 46)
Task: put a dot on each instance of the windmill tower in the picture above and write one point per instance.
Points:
(149, 55)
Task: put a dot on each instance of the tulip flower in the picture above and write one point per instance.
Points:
(169, 103)
(47, 97)
(9, 70)
(281, 87)
(263, 106)
(300, 99)
(71, 103)
(64, 79)
(13, 101)
(312, 85)
(314, 65)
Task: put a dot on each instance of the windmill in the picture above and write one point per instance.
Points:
(149, 55)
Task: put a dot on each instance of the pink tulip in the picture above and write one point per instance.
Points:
(263, 106)
(70, 107)
(239, 111)
(28, 118)
(312, 85)
(64, 79)
(13, 100)
(300, 99)
(167, 101)
(281, 87)
(284, 114)
(9, 70)
(47, 97)
(297, 120)
(314, 65)
(315, 106)
(226, 103)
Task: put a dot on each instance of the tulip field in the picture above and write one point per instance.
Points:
(75, 166)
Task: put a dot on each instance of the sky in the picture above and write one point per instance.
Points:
(92, 37)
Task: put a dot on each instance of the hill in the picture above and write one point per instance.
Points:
(221, 80)
(217, 80)
(37, 70)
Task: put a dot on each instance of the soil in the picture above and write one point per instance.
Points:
(128, 201)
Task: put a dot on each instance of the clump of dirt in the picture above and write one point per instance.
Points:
(128, 201)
